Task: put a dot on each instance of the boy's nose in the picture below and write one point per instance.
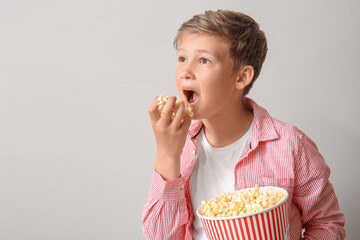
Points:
(187, 74)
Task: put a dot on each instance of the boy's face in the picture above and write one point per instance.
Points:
(204, 76)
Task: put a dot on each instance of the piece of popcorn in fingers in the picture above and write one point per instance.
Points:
(161, 101)
(188, 111)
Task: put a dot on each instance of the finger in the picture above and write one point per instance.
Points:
(153, 110)
(166, 113)
(179, 115)
(185, 125)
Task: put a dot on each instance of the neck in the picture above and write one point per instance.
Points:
(229, 127)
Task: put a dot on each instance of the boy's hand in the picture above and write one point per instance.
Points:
(170, 136)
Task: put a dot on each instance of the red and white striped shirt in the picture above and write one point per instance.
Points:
(280, 155)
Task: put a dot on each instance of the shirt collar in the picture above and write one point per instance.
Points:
(263, 129)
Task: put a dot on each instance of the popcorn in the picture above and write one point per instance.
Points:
(240, 203)
(163, 99)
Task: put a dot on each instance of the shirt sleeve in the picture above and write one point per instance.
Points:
(314, 195)
(165, 213)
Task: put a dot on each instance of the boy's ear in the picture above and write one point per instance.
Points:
(245, 76)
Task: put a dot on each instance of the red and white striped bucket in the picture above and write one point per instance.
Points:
(269, 224)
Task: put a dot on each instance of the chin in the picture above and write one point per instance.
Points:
(197, 117)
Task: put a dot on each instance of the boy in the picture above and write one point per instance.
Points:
(231, 142)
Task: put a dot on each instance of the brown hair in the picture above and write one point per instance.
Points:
(247, 43)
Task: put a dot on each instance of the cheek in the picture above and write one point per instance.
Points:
(177, 74)
(216, 86)
(177, 82)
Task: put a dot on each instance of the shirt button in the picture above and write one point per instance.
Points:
(194, 151)
(181, 186)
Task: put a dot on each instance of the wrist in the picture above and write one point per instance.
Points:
(168, 167)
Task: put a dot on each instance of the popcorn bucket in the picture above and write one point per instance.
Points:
(270, 223)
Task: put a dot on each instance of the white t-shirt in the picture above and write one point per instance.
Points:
(213, 173)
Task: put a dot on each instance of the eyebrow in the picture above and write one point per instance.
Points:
(200, 51)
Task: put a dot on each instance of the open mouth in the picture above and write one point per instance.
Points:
(191, 96)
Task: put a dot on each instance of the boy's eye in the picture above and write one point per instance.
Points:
(204, 61)
(181, 59)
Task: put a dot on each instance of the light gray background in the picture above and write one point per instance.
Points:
(76, 78)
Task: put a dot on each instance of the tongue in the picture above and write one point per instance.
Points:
(194, 97)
